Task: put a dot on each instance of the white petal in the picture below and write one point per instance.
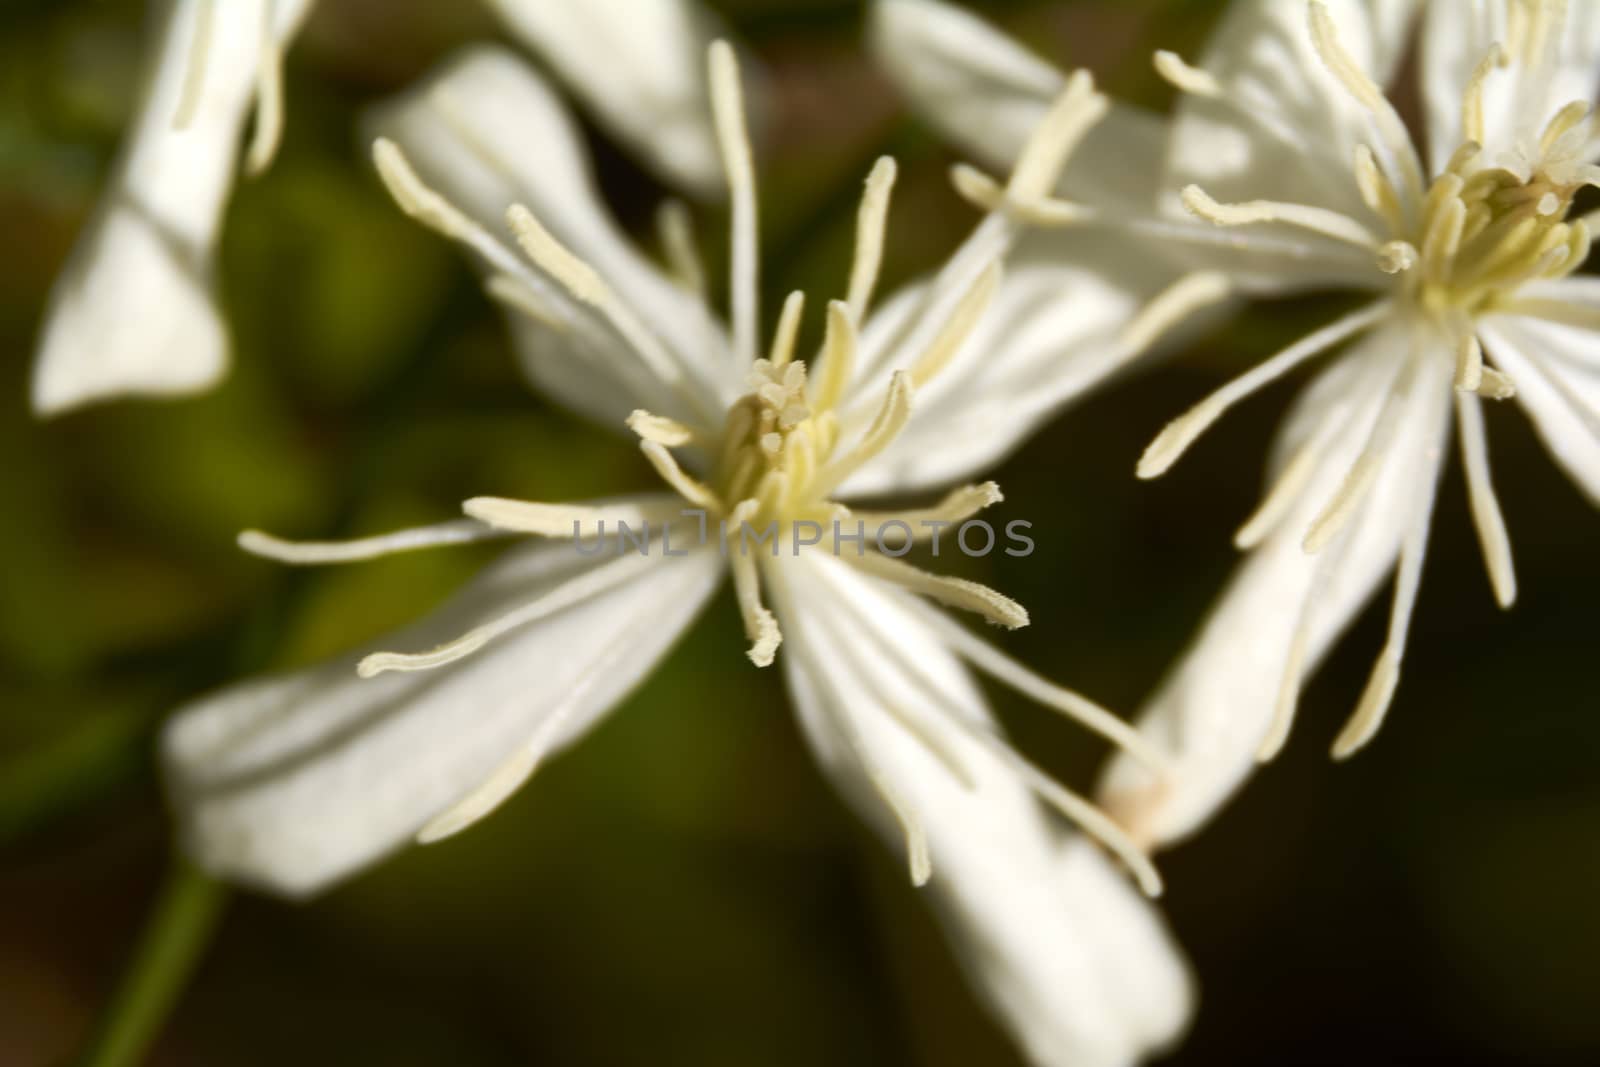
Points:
(1518, 99)
(640, 64)
(294, 781)
(1072, 961)
(1556, 370)
(1215, 707)
(988, 94)
(1279, 90)
(1053, 332)
(487, 132)
(133, 310)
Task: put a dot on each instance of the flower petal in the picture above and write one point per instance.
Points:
(1215, 708)
(486, 132)
(1286, 129)
(640, 65)
(1056, 329)
(988, 94)
(1557, 374)
(133, 310)
(294, 781)
(1075, 964)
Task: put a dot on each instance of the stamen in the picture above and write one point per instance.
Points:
(788, 328)
(1181, 432)
(990, 660)
(268, 129)
(1325, 38)
(675, 226)
(1181, 76)
(871, 221)
(564, 521)
(954, 592)
(662, 430)
(194, 79)
(311, 553)
(575, 591)
(1469, 362)
(1486, 514)
(964, 318)
(760, 626)
(1329, 223)
(1283, 495)
(1472, 124)
(958, 505)
(1377, 192)
(1171, 306)
(986, 194)
(891, 419)
(1363, 473)
(1561, 122)
(733, 140)
(519, 296)
(695, 492)
(1287, 703)
(838, 357)
(1073, 114)
(1397, 256)
(496, 790)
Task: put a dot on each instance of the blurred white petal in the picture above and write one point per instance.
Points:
(487, 132)
(1217, 704)
(133, 309)
(1071, 960)
(1556, 370)
(292, 782)
(640, 65)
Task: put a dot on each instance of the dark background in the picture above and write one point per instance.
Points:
(684, 887)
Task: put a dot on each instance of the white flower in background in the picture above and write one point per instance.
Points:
(295, 781)
(1296, 172)
(133, 311)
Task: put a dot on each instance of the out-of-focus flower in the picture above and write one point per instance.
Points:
(134, 311)
(293, 782)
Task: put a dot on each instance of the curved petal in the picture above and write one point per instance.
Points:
(487, 132)
(1216, 706)
(1075, 964)
(1054, 331)
(988, 94)
(640, 65)
(133, 310)
(294, 781)
(1285, 128)
(1556, 370)
(1517, 99)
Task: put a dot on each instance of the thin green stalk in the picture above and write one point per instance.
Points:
(174, 938)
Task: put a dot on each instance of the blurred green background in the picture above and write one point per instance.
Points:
(684, 888)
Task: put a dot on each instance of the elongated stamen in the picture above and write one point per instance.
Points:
(838, 359)
(871, 221)
(675, 228)
(574, 591)
(958, 505)
(760, 626)
(1042, 691)
(313, 553)
(695, 492)
(1564, 312)
(1377, 192)
(1181, 432)
(564, 521)
(1172, 306)
(1472, 124)
(1185, 78)
(496, 790)
(1250, 212)
(194, 78)
(783, 337)
(1391, 128)
(1073, 114)
(268, 129)
(1282, 497)
(1469, 362)
(1292, 673)
(953, 592)
(964, 318)
(1359, 480)
(1042, 212)
(733, 140)
(664, 431)
(1486, 514)
(891, 419)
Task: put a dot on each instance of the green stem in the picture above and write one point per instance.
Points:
(173, 940)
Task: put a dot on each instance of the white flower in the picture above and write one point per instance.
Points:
(1302, 175)
(293, 782)
(133, 310)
